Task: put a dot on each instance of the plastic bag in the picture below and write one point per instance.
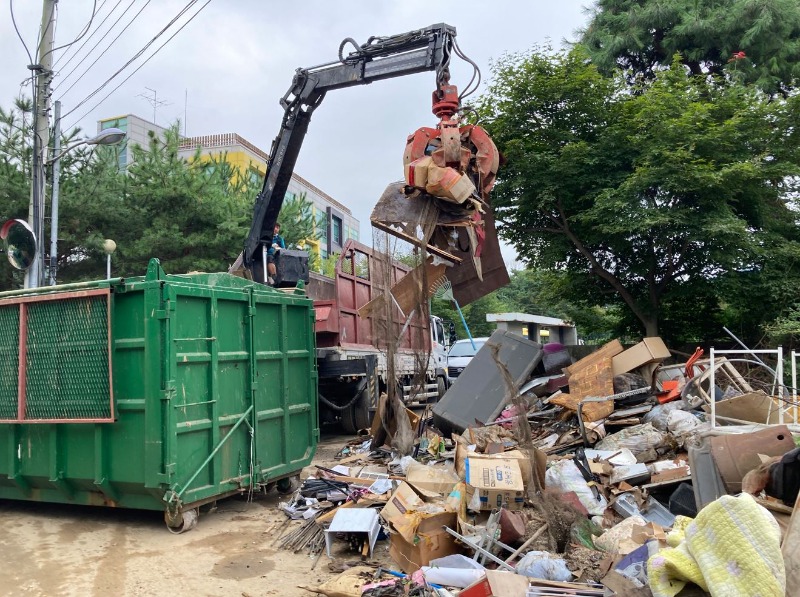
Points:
(638, 439)
(680, 422)
(565, 476)
(660, 413)
(455, 570)
(544, 565)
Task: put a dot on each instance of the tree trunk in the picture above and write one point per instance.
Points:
(650, 325)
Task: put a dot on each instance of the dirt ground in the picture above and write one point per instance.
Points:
(69, 550)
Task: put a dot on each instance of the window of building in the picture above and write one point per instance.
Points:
(336, 229)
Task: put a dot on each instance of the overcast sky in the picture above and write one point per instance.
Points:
(225, 71)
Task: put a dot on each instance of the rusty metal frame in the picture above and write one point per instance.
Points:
(22, 373)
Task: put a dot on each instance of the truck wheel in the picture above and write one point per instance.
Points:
(357, 416)
(441, 387)
(288, 485)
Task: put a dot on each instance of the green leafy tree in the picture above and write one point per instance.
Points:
(297, 221)
(15, 166)
(758, 41)
(639, 197)
(191, 214)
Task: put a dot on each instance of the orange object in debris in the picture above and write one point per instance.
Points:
(692, 360)
(670, 391)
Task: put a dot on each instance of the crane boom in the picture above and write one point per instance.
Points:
(427, 49)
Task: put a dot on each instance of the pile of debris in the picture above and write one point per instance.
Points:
(539, 474)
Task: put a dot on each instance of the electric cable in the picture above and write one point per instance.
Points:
(137, 69)
(137, 55)
(80, 36)
(86, 41)
(19, 35)
(107, 48)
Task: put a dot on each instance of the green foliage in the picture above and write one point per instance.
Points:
(191, 214)
(328, 265)
(640, 198)
(642, 36)
(297, 221)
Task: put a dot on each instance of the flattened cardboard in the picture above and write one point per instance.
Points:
(431, 479)
(756, 407)
(498, 482)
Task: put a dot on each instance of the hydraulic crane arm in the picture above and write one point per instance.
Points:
(380, 58)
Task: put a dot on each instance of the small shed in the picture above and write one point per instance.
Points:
(536, 327)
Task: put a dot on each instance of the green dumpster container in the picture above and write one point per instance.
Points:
(163, 392)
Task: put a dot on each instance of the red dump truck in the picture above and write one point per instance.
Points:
(351, 350)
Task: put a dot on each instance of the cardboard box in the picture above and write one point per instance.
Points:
(498, 482)
(431, 541)
(431, 479)
(649, 350)
(417, 172)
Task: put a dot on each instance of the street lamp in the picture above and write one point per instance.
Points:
(109, 136)
(109, 246)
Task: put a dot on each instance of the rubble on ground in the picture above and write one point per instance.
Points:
(542, 474)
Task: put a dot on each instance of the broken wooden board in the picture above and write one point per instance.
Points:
(594, 379)
(607, 351)
(409, 292)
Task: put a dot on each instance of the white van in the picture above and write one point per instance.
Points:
(460, 354)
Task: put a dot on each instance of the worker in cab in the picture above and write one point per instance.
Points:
(277, 244)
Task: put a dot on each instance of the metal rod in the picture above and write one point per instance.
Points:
(779, 380)
(794, 383)
(264, 262)
(711, 389)
(213, 453)
(743, 345)
(464, 323)
(488, 554)
(64, 287)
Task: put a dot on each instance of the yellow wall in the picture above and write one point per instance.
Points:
(245, 163)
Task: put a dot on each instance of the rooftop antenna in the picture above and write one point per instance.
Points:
(153, 101)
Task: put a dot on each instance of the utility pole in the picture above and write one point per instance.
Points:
(54, 199)
(43, 70)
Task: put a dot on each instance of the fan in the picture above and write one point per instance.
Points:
(444, 290)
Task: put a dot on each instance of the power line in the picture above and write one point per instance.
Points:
(19, 35)
(140, 52)
(80, 36)
(86, 41)
(68, 75)
(138, 68)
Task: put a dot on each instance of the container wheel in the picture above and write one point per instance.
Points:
(185, 521)
(357, 416)
(288, 485)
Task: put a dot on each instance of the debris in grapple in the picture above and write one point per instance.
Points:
(443, 204)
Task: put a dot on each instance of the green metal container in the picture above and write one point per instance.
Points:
(163, 392)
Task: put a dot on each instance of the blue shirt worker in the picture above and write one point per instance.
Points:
(277, 244)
